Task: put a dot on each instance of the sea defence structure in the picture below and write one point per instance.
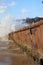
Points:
(30, 39)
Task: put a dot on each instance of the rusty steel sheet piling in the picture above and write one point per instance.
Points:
(30, 36)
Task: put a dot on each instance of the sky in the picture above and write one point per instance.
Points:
(17, 9)
(21, 8)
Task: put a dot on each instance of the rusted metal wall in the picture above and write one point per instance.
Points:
(30, 36)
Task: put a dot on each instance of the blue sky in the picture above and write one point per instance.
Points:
(17, 9)
(21, 8)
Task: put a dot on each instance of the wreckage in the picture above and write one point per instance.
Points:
(30, 39)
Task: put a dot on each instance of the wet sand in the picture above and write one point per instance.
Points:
(14, 57)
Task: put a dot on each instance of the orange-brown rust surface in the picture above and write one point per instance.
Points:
(31, 36)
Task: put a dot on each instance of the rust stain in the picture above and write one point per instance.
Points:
(31, 36)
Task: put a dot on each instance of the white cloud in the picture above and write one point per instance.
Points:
(12, 3)
(24, 11)
(3, 8)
